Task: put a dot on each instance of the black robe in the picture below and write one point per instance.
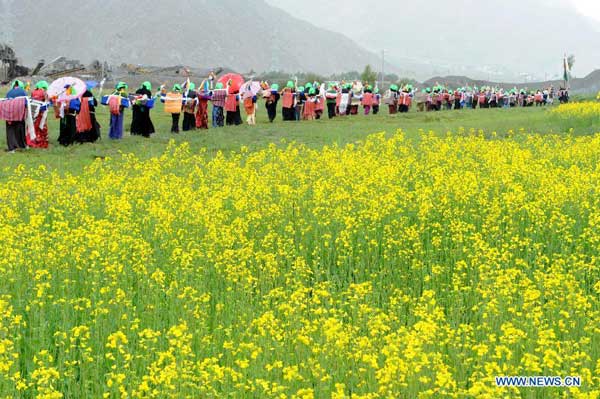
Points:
(141, 124)
(271, 106)
(68, 127)
(189, 119)
(15, 135)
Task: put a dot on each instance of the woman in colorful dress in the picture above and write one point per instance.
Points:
(202, 111)
(68, 118)
(189, 109)
(288, 110)
(117, 111)
(88, 129)
(39, 124)
(271, 102)
(232, 108)
(367, 99)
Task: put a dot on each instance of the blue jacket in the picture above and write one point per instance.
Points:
(16, 92)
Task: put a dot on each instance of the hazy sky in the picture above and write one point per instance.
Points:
(590, 8)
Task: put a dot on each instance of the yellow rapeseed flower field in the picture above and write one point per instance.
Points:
(389, 268)
(577, 109)
(583, 114)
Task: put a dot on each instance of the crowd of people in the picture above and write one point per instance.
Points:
(26, 114)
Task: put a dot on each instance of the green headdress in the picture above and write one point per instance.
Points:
(42, 84)
(121, 85)
(275, 86)
(290, 84)
(18, 83)
(219, 85)
(147, 85)
(312, 91)
(177, 87)
(192, 86)
(394, 87)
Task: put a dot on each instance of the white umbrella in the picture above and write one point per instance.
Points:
(66, 89)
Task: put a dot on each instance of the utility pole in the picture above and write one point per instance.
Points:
(382, 67)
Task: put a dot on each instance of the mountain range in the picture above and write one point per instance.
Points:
(240, 34)
(508, 39)
(512, 40)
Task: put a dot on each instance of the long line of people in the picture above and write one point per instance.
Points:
(78, 123)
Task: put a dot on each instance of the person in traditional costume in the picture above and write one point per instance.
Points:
(376, 101)
(189, 108)
(392, 99)
(14, 112)
(88, 129)
(345, 98)
(468, 97)
(175, 116)
(428, 100)
(446, 102)
(202, 111)
(117, 114)
(303, 95)
(68, 118)
(249, 101)
(367, 99)
(320, 100)
(482, 99)
(475, 98)
(218, 96)
(300, 101)
(309, 106)
(141, 124)
(438, 98)
(41, 127)
(538, 98)
(330, 98)
(271, 102)
(458, 99)
(232, 107)
(357, 92)
(500, 98)
(512, 98)
(288, 102)
(493, 99)
(405, 99)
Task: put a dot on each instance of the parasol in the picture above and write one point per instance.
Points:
(251, 86)
(236, 81)
(91, 84)
(58, 88)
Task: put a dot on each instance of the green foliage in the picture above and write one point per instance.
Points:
(368, 75)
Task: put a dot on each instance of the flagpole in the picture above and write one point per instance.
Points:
(565, 71)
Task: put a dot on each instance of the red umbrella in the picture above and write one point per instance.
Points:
(236, 81)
